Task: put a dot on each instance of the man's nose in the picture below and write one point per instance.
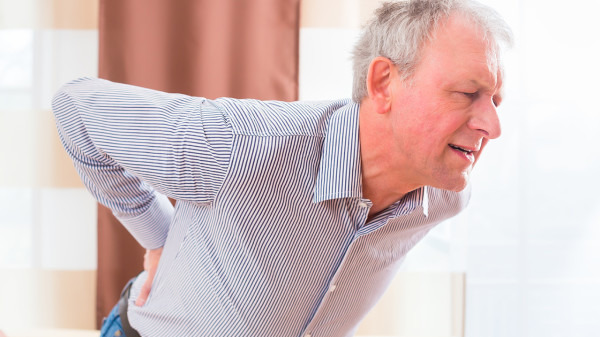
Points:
(485, 120)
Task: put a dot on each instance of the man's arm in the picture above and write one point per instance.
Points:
(127, 143)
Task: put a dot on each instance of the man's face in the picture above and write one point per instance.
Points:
(445, 115)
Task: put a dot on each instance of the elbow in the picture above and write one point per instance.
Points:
(63, 103)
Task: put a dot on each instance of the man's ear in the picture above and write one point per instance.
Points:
(379, 83)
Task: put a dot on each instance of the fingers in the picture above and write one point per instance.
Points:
(147, 260)
(144, 292)
(151, 260)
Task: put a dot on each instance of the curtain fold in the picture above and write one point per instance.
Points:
(234, 48)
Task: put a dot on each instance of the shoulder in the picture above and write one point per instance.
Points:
(277, 118)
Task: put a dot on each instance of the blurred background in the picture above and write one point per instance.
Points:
(522, 260)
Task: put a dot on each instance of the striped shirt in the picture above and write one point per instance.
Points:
(269, 235)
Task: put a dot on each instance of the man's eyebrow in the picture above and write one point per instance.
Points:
(486, 85)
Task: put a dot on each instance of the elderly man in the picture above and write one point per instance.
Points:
(291, 218)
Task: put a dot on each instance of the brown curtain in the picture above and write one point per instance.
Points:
(234, 48)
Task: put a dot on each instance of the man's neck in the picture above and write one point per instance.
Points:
(383, 181)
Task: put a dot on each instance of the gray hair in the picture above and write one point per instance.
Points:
(399, 30)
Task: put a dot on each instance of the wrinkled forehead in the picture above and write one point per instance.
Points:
(480, 29)
(493, 49)
(462, 52)
(494, 54)
(496, 65)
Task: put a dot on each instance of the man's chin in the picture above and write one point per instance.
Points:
(455, 184)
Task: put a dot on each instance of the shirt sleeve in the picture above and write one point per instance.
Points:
(133, 147)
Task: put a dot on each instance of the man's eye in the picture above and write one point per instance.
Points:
(470, 94)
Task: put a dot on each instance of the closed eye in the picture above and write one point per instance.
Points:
(471, 95)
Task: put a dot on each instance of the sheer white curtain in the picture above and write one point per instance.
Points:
(533, 258)
(47, 219)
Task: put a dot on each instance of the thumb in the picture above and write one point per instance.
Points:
(144, 292)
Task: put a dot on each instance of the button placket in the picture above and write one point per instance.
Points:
(363, 206)
(317, 317)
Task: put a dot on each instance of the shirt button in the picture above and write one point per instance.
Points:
(307, 335)
(362, 204)
(331, 288)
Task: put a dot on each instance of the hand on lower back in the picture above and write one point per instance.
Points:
(151, 259)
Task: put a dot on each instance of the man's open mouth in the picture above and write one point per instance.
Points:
(460, 149)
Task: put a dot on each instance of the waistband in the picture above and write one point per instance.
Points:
(123, 304)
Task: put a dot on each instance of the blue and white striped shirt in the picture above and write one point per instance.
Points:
(269, 235)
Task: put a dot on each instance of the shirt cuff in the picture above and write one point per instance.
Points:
(151, 227)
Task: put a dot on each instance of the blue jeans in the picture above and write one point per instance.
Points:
(111, 327)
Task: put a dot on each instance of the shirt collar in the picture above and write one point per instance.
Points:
(425, 201)
(414, 199)
(340, 171)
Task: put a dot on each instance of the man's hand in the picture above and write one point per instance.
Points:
(151, 259)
